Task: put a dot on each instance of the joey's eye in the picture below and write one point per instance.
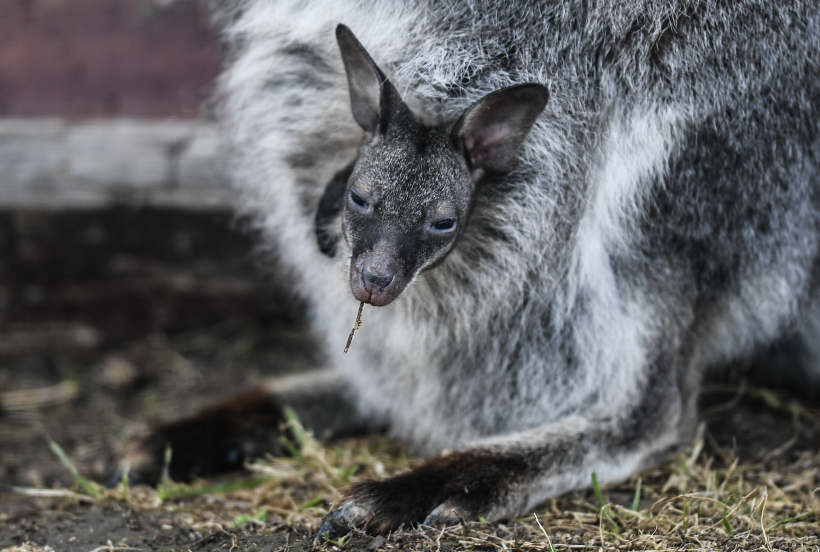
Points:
(358, 200)
(445, 225)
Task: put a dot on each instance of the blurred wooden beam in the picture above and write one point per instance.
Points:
(53, 164)
(48, 338)
(33, 399)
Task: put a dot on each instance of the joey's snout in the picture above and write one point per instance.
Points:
(375, 280)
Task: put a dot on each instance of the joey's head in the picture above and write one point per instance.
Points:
(410, 191)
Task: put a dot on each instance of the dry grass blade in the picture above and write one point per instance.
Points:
(52, 493)
(549, 542)
(33, 399)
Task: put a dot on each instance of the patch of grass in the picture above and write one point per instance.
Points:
(258, 517)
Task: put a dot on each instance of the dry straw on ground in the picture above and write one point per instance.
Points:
(707, 498)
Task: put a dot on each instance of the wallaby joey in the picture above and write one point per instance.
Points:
(407, 198)
(549, 275)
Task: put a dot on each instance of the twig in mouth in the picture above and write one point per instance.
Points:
(355, 326)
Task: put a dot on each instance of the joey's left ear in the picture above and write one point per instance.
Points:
(492, 129)
(370, 91)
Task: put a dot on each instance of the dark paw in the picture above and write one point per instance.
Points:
(350, 515)
(216, 440)
(445, 490)
(365, 514)
(142, 461)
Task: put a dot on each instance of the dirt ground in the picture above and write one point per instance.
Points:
(161, 377)
(90, 392)
(114, 397)
(111, 321)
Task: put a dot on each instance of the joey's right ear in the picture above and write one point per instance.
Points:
(368, 85)
(491, 130)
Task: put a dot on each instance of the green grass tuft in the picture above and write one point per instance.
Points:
(597, 489)
(92, 489)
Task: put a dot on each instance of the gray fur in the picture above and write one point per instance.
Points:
(661, 217)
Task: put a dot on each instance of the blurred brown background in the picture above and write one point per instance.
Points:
(115, 213)
(129, 291)
(105, 58)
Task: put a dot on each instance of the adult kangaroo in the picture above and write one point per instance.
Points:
(562, 214)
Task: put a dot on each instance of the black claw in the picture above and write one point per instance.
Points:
(333, 528)
(114, 480)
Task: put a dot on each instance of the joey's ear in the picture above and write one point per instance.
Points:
(368, 94)
(492, 129)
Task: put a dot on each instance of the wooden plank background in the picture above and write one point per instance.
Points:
(58, 164)
(105, 103)
(116, 218)
(106, 58)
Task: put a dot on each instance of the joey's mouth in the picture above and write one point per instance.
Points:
(375, 297)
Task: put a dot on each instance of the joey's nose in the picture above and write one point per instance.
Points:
(375, 282)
